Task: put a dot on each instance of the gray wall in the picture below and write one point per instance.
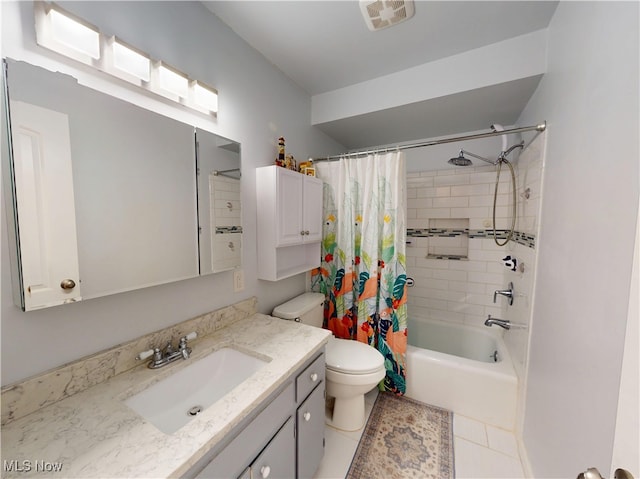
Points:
(589, 96)
(257, 105)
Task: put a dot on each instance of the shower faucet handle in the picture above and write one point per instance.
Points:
(508, 293)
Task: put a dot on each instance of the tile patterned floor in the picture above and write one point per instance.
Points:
(481, 450)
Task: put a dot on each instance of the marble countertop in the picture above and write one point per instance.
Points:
(94, 434)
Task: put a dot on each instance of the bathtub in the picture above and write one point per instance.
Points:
(462, 368)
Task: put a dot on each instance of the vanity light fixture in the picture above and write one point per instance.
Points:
(127, 62)
(67, 34)
(172, 82)
(204, 97)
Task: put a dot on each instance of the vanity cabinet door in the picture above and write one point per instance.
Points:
(249, 445)
(277, 460)
(310, 424)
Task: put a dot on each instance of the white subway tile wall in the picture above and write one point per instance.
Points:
(461, 290)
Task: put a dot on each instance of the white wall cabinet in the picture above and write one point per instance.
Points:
(298, 211)
(289, 222)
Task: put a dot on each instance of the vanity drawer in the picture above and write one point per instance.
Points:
(308, 379)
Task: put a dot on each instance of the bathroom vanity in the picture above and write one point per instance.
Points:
(285, 439)
(270, 425)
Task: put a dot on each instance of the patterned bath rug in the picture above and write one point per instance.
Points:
(404, 438)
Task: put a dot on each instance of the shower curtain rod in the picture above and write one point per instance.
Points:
(540, 128)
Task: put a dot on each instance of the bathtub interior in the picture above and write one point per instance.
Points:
(457, 340)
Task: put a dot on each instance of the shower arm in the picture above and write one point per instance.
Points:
(465, 152)
(503, 155)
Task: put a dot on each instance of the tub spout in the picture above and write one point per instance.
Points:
(503, 323)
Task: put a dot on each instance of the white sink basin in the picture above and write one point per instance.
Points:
(171, 403)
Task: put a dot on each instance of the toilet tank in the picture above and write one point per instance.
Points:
(308, 308)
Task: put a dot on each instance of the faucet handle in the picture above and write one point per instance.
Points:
(144, 355)
(157, 355)
(184, 349)
(508, 293)
(189, 337)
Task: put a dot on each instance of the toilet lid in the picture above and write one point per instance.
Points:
(352, 357)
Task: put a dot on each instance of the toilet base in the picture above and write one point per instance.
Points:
(348, 413)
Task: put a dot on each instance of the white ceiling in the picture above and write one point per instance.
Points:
(325, 45)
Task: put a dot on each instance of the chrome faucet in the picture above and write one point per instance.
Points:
(504, 292)
(168, 355)
(503, 323)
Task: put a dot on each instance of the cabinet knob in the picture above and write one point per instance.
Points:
(306, 232)
(307, 416)
(67, 284)
(314, 377)
(265, 471)
(231, 245)
(302, 233)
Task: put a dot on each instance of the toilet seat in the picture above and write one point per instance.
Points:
(352, 357)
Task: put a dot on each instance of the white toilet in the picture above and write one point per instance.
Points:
(352, 368)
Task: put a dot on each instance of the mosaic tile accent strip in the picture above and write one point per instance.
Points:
(447, 256)
(519, 237)
(220, 230)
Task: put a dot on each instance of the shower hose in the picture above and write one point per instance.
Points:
(495, 199)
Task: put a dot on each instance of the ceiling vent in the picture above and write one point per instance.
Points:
(379, 14)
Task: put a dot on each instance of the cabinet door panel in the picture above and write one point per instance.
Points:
(312, 214)
(289, 205)
(310, 421)
(277, 460)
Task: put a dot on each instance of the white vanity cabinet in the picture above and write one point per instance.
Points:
(289, 222)
(284, 439)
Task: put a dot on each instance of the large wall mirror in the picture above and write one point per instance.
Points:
(152, 200)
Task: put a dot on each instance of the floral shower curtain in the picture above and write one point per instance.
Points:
(363, 270)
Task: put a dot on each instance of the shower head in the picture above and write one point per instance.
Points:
(460, 160)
